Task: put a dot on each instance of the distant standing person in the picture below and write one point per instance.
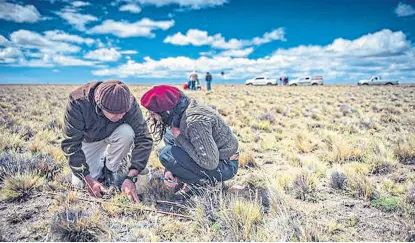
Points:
(208, 81)
(193, 79)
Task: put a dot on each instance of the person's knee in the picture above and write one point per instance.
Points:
(124, 134)
(168, 138)
(228, 170)
(166, 157)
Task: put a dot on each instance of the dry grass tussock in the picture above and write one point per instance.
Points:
(316, 164)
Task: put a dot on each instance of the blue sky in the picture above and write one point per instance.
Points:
(162, 41)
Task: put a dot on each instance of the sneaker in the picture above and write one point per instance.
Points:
(112, 179)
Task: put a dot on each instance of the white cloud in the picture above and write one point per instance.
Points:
(78, 4)
(382, 53)
(71, 61)
(76, 19)
(19, 13)
(56, 70)
(403, 10)
(277, 34)
(381, 43)
(384, 42)
(4, 41)
(129, 52)
(123, 29)
(133, 8)
(10, 55)
(48, 60)
(193, 37)
(237, 53)
(199, 37)
(31, 49)
(35, 63)
(32, 40)
(193, 4)
(207, 53)
(59, 35)
(104, 54)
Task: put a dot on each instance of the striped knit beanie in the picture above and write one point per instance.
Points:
(113, 96)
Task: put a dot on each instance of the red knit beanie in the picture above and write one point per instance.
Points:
(113, 96)
(161, 98)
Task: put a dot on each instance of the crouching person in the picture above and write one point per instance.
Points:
(103, 122)
(200, 147)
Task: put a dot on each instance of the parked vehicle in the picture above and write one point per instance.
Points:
(307, 80)
(261, 80)
(377, 80)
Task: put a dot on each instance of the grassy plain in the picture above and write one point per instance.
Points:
(330, 163)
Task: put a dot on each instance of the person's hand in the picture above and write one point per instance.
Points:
(93, 187)
(128, 187)
(175, 131)
(169, 179)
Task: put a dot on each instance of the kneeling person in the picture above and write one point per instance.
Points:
(200, 147)
(102, 123)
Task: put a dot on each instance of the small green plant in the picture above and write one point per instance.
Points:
(333, 227)
(387, 204)
(264, 125)
(353, 221)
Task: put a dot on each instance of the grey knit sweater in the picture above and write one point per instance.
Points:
(205, 136)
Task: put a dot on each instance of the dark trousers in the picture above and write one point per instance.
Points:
(208, 85)
(182, 166)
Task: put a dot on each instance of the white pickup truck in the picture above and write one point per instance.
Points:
(261, 80)
(377, 80)
(307, 80)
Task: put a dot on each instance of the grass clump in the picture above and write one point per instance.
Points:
(243, 216)
(304, 185)
(247, 160)
(361, 186)
(341, 150)
(76, 222)
(405, 149)
(305, 142)
(338, 180)
(19, 187)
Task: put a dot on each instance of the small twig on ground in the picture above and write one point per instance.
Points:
(171, 203)
(131, 207)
